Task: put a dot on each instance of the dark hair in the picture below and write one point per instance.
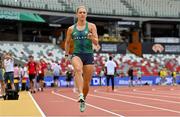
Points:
(110, 58)
(31, 56)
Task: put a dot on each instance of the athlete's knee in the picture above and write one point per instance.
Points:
(78, 70)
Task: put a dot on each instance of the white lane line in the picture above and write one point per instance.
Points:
(155, 99)
(42, 114)
(172, 89)
(170, 92)
(134, 89)
(150, 94)
(159, 93)
(153, 89)
(133, 103)
(87, 104)
(147, 94)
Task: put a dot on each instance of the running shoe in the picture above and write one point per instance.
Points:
(82, 106)
(82, 103)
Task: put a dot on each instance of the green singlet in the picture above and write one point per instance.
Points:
(81, 43)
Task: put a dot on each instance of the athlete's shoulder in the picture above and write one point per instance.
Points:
(91, 24)
(71, 27)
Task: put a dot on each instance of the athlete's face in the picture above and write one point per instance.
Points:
(81, 14)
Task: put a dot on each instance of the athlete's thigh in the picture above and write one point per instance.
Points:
(88, 72)
(77, 63)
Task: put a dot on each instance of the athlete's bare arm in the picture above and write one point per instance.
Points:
(93, 33)
(68, 39)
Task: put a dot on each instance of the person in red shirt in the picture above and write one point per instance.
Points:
(41, 68)
(32, 72)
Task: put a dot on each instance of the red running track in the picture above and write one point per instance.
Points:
(148, 101)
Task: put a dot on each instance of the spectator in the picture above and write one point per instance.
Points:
(139, 77)
(69, 76)
(173, 74)
(56, 74)
(131, 76)
(110, 67)
(9, 70)
(101, 74)
(32, 65)
(16, 76)
(41, 67)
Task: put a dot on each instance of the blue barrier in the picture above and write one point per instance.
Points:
(62, 81)
(121, 81)
(118, 81)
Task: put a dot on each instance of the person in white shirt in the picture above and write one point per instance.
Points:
(9, 70)
(56, 74)
(139, 75)
(110, 67)
(25, 77)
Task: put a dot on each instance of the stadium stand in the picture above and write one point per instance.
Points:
(103, 6)
(150, 64)
(22, 50)
(149, 8)
(160, 8)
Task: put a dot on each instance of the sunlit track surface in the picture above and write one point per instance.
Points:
(145, 101)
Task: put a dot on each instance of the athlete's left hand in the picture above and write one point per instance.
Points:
(90, 36)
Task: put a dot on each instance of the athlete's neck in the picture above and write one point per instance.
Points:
(81, 23)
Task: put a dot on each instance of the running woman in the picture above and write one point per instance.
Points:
(84, 35)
